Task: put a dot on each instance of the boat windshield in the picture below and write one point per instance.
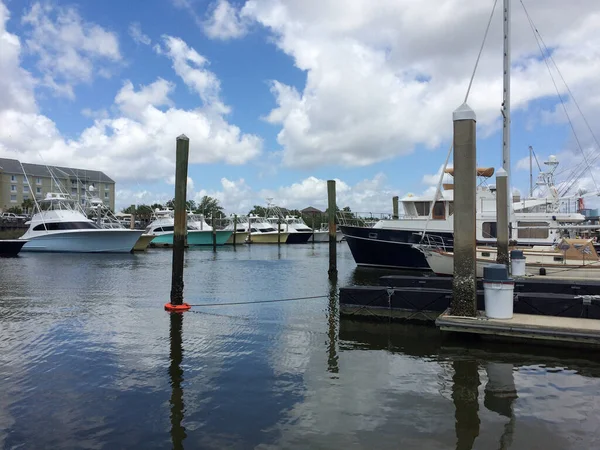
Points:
(267, 230)
(52, 226)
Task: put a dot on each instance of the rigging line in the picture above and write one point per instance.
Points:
(535, 34)
(439, 185)
(575, 102)
(487, 29)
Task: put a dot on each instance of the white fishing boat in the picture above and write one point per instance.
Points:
(163, 226)
(298, 232)
(59, 226)
(240, 232)
(571, 258)
(262, 232)
(322, 234)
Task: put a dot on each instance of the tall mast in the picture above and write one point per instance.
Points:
(506, 103)
(530, 171)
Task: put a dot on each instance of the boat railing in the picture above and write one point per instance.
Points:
(431, 242)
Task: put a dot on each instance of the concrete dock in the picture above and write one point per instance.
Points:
(555, 330)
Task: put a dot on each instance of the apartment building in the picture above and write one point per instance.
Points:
(38, 180)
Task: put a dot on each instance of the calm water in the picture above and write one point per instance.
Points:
(89, 359)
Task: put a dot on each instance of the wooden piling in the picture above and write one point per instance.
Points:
(502, 216)
(132, 222)
(314, 229)
(464, 299)
(234, 229)
(395, 207)
(331, 209)
(279, 231)
(180, 226)
(214, 232)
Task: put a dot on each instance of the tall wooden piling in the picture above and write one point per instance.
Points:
(313, 228)
(502, 216)
(234, 229)
(132, 222)
(395, 207)
(214, 232)
(464, 298)
(331, 209)
(180, 226)
(279, 231)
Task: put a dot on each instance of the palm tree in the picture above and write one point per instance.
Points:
(209, 206)
(27, 205)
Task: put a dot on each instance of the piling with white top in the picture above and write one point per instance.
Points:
(331, 210)
(395, 207)
(464, 298)
(502, 216)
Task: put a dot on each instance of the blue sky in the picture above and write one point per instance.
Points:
(287, 98)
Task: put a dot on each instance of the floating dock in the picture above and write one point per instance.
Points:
(526, 326)
(544, 309)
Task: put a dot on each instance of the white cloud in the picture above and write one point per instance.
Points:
(369, 195)
(136, 140)
(224, 22)
(68, 47)
(380, 81)
(135, 31)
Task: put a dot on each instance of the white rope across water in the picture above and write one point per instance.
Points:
(439, 185)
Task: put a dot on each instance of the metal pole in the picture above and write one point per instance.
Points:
(530, 171)
(464, 298)
(331, 209)
(395, 207)
(180, 226)
(502, 217)
(506, 105)
(234, 229)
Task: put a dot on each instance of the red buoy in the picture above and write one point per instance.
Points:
(177, 308)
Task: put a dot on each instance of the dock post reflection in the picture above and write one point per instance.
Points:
(178, 434)
(500, 395)
(465, 395)
(333, 322)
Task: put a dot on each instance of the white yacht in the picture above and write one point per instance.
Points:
(60, 227)
(162, 228)
(241, 229)
(298, 232)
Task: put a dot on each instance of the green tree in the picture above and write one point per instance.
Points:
(28, 205)
(15, 210)
(191, 205)
(156, 206)
(209, 206)
(131, 209)
(259, 211)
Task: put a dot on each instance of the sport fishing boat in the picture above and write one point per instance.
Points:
(59, 226)
(262, 232)
(322, 234)
(241, 229)
(163, 226)
(299, 232)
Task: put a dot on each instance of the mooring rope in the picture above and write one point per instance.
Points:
(261, 301)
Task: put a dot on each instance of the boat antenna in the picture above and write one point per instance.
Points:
(506, 106)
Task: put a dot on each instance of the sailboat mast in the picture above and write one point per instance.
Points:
(530, 171)
(506, 103)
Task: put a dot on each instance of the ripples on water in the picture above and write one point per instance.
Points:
(88, 358)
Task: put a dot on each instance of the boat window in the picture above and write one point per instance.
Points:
(558, 258)
(489, 230)
(267, 230)
(241, 230)
(439, 211)
(168, 228)
(253, 230)
(532, 233)
(485, 254)
(422, 208)
(53, 226)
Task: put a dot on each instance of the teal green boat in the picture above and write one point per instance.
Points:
(194, 237)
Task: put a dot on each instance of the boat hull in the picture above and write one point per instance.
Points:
(193, 238)
(298, 238)
(380, 247)
(323, 236)
(11, 247)
(267, 238)
(240, 238)
(442, 263)
(88, 241)
(143, 242)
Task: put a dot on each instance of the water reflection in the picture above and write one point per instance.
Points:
(178, 434)
(332, 331)
(465, 395)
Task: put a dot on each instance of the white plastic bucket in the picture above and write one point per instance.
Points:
(517, 267)
(498, 297)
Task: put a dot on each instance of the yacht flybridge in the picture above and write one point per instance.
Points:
(59, 226)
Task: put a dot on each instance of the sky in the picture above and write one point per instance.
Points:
(278, 96)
